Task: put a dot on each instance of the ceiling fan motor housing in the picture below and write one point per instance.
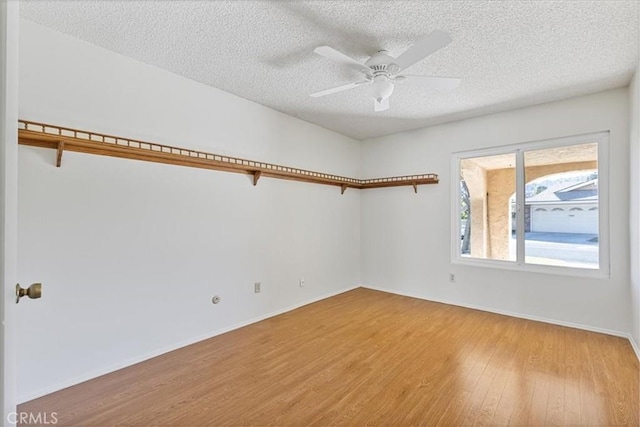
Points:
(382, 64)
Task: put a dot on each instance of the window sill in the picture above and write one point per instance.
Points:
(596, 273)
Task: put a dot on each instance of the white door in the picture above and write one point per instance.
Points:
(9, 20)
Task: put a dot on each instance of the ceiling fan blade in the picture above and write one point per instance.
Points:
(381, 105)
(338, 89)
(341, 58)
(422, 48)
(444, 83)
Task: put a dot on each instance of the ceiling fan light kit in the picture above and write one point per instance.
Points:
(381, 70)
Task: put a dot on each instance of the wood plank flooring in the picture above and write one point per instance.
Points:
(370, 358)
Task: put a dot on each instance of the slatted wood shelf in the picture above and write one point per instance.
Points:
(67, 139)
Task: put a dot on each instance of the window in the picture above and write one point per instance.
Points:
(538, 206)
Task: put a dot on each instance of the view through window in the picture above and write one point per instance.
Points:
(487, 184)
(533, 204)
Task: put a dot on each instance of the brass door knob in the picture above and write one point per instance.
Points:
(34, 291)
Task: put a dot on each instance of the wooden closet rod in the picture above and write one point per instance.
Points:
(66, 139)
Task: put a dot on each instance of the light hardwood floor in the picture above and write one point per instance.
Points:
(368, 357)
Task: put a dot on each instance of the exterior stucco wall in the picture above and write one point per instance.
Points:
(491, 191)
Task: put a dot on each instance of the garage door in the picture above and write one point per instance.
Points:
(565, 219)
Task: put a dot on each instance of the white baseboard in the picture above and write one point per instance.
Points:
(635, 346)
(512, 314)
(149, 355)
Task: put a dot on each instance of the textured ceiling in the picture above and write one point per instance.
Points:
(508, 54)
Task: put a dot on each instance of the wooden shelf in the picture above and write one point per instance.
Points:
(64, 139)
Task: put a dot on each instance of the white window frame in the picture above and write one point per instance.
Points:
(603, 270)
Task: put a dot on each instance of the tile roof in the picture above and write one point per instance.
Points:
(586, 191)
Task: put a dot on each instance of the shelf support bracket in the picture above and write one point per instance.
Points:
(59, 151)
(415, 187)
(343, 188)
(256, 177)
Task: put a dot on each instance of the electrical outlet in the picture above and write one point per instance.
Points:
(452, 277)
(256, 288)
(302, 282)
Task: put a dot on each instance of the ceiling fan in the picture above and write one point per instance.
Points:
(381, 70)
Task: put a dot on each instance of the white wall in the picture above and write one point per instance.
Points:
(130, 253)
(406, 237)
(634, 198)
